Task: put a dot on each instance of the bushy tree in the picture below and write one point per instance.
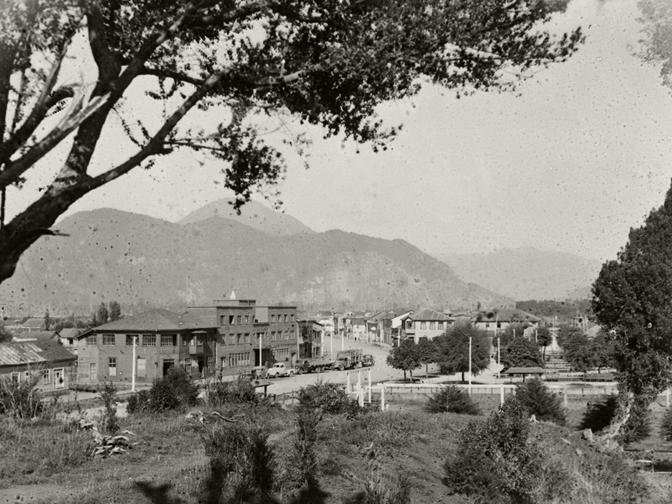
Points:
(5, 335)
(405, 356)
(427, 353)
(632, 299)
(543, 339)
(328, 63)
(511, 332)
(454, 400)
(453, 350)
(494, 461)
(666, 425)
(102, 315)
(535, 397)
(115, 310)
(602, 349)
(577, 350)
(521, 352)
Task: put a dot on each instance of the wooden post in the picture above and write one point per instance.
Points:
(382, 397)
(501, 394)
(469, 365)
(134, 363)
(369, 380)
(347, 382)
(359, 380)
(360, 397)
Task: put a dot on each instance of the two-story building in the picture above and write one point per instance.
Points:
(228, 337)
(499, 319)
(426, 323)
(48, 360)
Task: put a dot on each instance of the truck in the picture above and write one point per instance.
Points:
(315, 364)
(280, 369)
(348, 359)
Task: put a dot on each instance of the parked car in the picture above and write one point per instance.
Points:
(368, 360)
(280, 369)
(259, 372)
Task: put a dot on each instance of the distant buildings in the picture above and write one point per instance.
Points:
(501, 318)
(227, 338)
(41, 359)
(426, 323)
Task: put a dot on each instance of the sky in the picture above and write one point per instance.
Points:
(579, 155)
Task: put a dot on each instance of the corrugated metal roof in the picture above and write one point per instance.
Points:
(13, 354)
(429, 314)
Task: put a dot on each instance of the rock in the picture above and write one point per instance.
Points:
(587, 434)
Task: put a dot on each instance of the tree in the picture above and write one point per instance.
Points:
(521, 352)
(577, 350)
(5, 335)
(602, 349)
(427, 353)
(544, 339)
(632, 299)
(405, 357)
(511, 332)
(115, 310)
(102, 315)
(453, 350)
(329, 64)
(47, 320)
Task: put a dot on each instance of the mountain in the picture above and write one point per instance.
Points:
(142, 261)
(252, 214)
(526, 273)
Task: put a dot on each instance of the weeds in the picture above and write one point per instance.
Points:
(239, 391)
(20, 400)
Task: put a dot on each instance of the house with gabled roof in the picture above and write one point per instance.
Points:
(501, 318)
(44, 360)
(426, 323)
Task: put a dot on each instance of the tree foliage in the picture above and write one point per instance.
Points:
(633, 301)
(238, 63)
(427, 352)
(577, 350)
(405, 357)
(536, 398)
(521, 352)
(454, 400)
(453, 350)
(114, 310)
(102, 315)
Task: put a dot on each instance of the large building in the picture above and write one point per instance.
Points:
(228, 337)
(426, 323)
(41, 358)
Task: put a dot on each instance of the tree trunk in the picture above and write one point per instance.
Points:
(404, 375)
(462, 376)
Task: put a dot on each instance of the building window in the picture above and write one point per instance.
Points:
(487, 325)
(246, 319)
(232, 320)
(15, 377)
(149, 340)
(169, 340)
(211, 363)
(91, 340)
(222, 320)
(223, 359)
(239, 339)
(247, 337)
(109, 339)
(92, 371)
(129, 339)
(238, 359)
(440, 325)
(199, 340)
(432, 325)
(423, 325)
(285, 317)
(239, 319)
(112, 366)
(46, 377)
(499, 325)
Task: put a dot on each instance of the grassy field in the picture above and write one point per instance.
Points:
(54, 460)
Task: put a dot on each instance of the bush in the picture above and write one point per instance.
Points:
(494, 461)
(638, 425)
(535, 397)
(173, 391)
(454, 400)
(239, 391)
(110, 421)
(20, 400)
(329, 397)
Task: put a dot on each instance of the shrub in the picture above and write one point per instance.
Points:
(238, 391)
(454, 400)
(20, 400)
(329, 397)
(535, 397)
(173, 391)
(599, 414)
(638, 425)
(494, 461)
(110, 422)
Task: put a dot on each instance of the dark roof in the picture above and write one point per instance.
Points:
(525, 370)
(429, 314)
(198, 318)
(152, 320)
(70, 332)
(35, 336)
(506, 315)
(15, 354)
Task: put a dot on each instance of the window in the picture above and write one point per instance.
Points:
(223, 362)
(272, 318)
(487, 325)
(211, 363)
(239, 339)
(112, 366)
(232, 320)
(15, 377)
(92, 371)
(247, 337)
(432, 325)
(285, 319)
(440, 325)
(239, 318)
(423, 325)
(149, 340)
(46, 377)
(129, 339)
(168, 340)
(222, 320)
(91, 340)
(199, 340)
(238, 359)
(109, 339)
(499, 325)
(246, 319)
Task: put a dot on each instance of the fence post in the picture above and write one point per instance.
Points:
(369, 380)
(382, 397)
(347, 382)
(501, 394)
(360, 397)
(359, 380)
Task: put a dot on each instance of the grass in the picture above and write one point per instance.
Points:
(351, 454)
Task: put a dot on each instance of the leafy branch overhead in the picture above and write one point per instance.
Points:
(329, 63)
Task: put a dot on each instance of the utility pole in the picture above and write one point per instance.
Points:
(469, 365)
(499, 357)
(134, 363)
(261, 360)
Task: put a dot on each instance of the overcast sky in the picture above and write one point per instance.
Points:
(583, 153)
